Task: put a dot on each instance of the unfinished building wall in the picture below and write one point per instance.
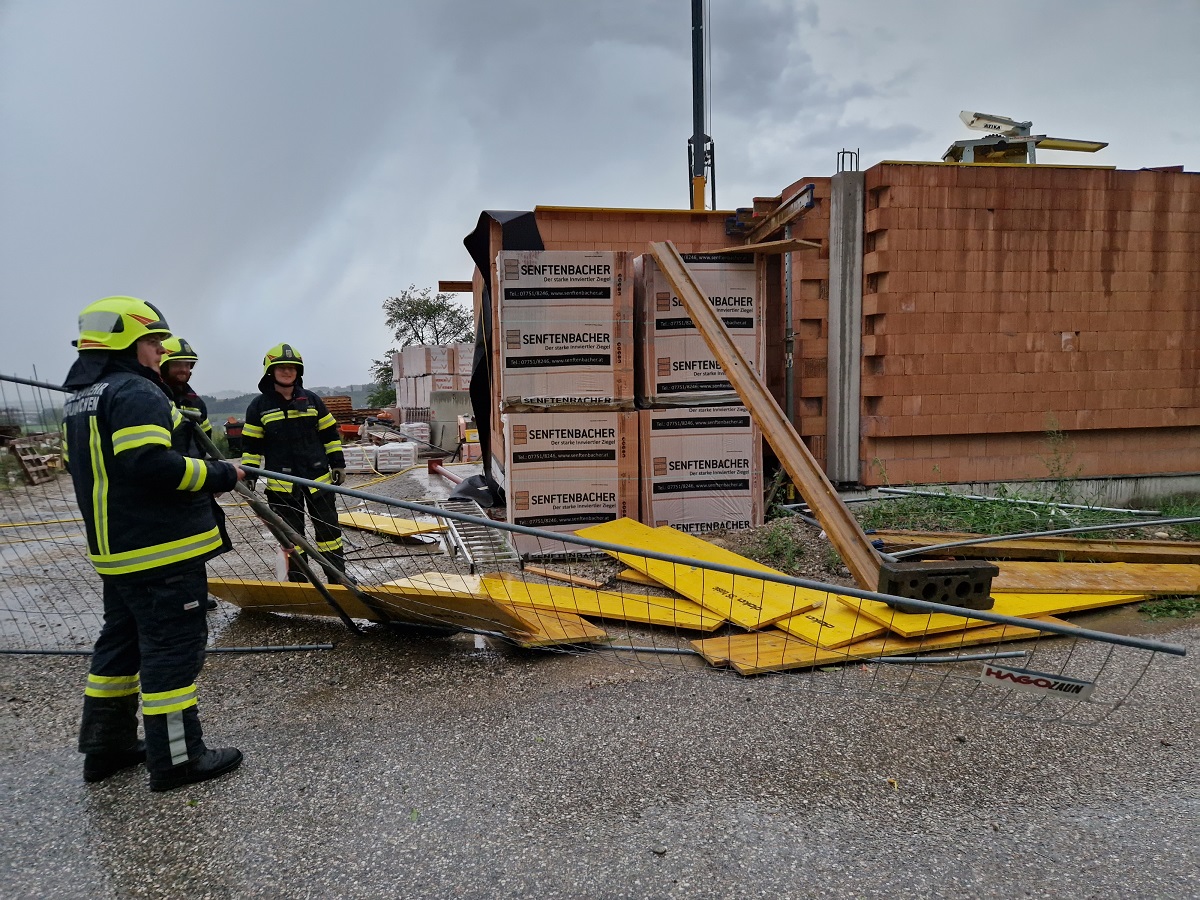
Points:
(810, 323)
(1004, 303)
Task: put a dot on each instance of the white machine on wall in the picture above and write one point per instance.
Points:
(1008, 141)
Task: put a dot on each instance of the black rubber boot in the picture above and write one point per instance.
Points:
(108, 736)
(99, 766)
(338, 558)
(209, 764)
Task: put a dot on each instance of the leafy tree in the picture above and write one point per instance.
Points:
(418, 316)
(382, 395)
(423, 317)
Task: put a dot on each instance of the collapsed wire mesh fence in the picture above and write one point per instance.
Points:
(645, 597)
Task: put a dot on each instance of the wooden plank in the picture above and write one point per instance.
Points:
(642, 608)
(841, 527)
(768, 248)
(454, 287)
(774, 651)
(633, 576)
(577, 580)
(1053, 549)
(744, 600)
(1025, 606)
(1118, 578)
(393, 526)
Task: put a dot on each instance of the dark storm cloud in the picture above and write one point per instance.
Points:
(272, 170)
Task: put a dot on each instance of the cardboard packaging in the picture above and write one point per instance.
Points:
(701, 469)
(674, 365)
(464, 355)
(566, 470)
(564, 329)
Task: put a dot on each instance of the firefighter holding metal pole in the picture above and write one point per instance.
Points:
(289, 430)
(150, 529)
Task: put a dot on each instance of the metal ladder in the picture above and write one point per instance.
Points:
(479, 544)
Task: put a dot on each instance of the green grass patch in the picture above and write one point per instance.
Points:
(950, 512)
(1181, 506)
(1171, 607)
(777, 544)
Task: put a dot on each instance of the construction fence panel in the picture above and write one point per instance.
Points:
(614, 590)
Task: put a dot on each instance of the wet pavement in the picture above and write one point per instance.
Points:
(409, 766)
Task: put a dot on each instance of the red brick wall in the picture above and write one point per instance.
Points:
(1001, 302)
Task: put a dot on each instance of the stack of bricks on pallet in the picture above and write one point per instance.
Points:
(564, 332)
(674, 364)
(701, 456)
(1003, 304)
(420, 369)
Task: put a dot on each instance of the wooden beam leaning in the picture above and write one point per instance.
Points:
(768, 248)
(843, 530)
(787, 211)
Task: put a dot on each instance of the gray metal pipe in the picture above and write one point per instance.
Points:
(1081, 529)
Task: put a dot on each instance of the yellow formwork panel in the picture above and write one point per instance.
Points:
(1098, 578)
(288, 597)
(832, 625)
(458, 599)
(747, 601)
(393, 526)
(774, 651)
(440, 586)
(548, 628)
(664, 611)
(1023, 606)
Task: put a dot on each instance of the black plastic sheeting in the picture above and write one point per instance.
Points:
(519, 232)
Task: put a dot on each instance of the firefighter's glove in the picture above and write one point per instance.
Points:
(250, 481)
(338, 476)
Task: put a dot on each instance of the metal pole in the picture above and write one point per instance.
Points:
(266, 648)
(1082, 529)
(789, 338)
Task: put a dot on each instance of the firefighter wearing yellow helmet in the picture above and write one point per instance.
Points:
(148, 515)
(289, 430)
(176, 372)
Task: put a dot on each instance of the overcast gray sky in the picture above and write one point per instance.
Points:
(272, 170)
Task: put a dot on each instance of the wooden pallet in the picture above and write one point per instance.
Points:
(33, 463)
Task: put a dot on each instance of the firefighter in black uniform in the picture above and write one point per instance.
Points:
(233, 436)
(176, 371)
(289, 430)
(150, 528)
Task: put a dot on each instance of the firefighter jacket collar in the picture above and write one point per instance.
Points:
(94, 364)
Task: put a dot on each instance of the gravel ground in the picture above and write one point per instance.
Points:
(404, 765)
(407, 766)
